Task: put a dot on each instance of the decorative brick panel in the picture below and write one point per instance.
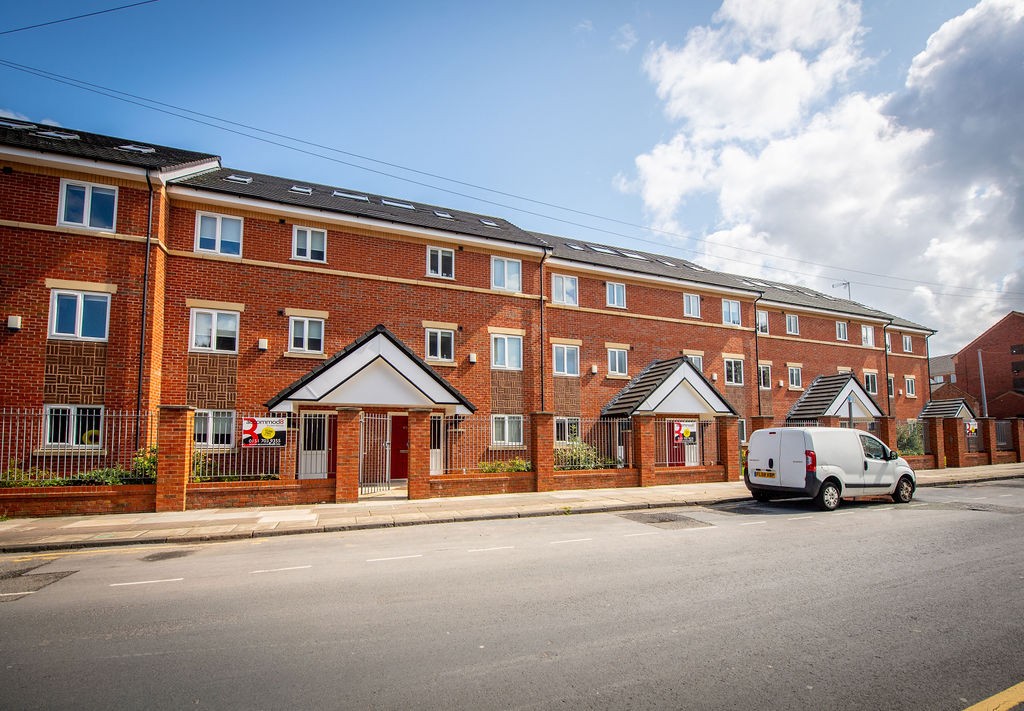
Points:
(212, 381)
(507, 391)
(567, 396)
(75, 373)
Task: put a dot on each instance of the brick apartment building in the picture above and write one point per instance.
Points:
(1004, 368)
(136, 275)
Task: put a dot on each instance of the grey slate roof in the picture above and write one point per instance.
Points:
(322, 197)
(942, 365)
(945, 408)
(820, 395)
(94, 146)
(627, 400)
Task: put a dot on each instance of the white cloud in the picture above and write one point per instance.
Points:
(625, 37)
(925, 184)
(8, 113)
(584, 26)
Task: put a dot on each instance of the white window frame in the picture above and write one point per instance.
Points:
(441, 253)
(890, 385)
(86, 207)
(727, 312)
(871, 383)
(741, 429)
(505, 421)
(565, 350)
(216, 315)
(209, 416)
(888, 342)
(310, 231)
(613, 290)
(762, 322)
(733, 367)
(697, 361)
(908, 344)
(506, 339)
(796, 376)
(292, 321)
(764, 382)
(691, 305)
(567, 424)
(867, 336)
(910, 385)
(73, 414)
(501, 265)
(217, 238)
(793, 324)
(438, 354)
(560, 294)
(55, 295)
(842, 331)
(613, 357)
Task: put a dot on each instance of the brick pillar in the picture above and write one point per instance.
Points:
(729, 447)
(987, 433)
(936, 442)
(1017, 428)
(760, 422)
(290, 452)
(955, 441)
(829, 421)
(887, 430)
(419, 453)
(644, 447)
(346, 455)
(174, 456)
(542, 449)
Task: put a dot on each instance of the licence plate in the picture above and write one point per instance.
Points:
(764, 474)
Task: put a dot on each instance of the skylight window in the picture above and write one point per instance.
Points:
(667, 263)
(602, 250)
(574, 246)
(634, 255)
(350, 196)
(135, 148)
(395, 203)
(61, 135)
(301, 190)
(696, 267)
(241, 179)
(489, 223)
(781, 287)
(443, 215)
(11, 123)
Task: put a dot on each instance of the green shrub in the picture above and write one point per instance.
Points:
(204, 467)
(580, 455)
(518, 464)
(144, 465)
(908, 438)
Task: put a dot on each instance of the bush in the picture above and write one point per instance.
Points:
(908, 438)
(144, 465)
(518, 464)
(580, 455)
(204, 467)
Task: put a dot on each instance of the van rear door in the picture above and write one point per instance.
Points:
(763, 457)
(792, 462)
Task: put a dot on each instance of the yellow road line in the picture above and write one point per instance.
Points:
(1003, 701)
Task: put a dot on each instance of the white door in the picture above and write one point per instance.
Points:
(313, 446)
(436, 445)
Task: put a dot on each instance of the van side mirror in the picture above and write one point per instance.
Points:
(893, 455)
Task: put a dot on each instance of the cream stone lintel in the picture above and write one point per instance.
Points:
(623, 346)
(506, 331)
(81, 285)
(442, 325)
(870, 370)
(794, 365)
(565, 341)
(764, 362)
(307, 313)
(688, 352)
(843, 369)
(220, 305)
(734, 356)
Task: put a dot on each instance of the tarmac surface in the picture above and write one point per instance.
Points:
(387, 510)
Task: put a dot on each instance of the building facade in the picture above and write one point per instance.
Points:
(1002, 359)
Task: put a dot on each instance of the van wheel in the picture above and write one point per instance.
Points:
(828, 496)
(761, 496)
(904, 491)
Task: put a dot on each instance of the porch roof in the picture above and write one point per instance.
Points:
(827, 396)
(672, 386)
(956, 407)
(375, 370)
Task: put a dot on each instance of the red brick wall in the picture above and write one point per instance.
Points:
(76, 500)
(242, 494)
(995, 347)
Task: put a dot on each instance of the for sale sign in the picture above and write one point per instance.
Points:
(264, 431)
(684, 432)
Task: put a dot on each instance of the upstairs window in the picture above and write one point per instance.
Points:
(793, 324)
(617, 361)
(79, 315)
(506, 274)
(616, 294)
(567, 360)
(219, 234)
(698, 362)
(867, 335)
(214, 331)
(691, 305)
(306, 335)
(911, 386)
(871, 383)
(841, 331)
(563, 290)
(908, 344)
(309, 244)
(441, 262)
(762, 322)
(506, 352)
(764, 377)
(730, 312)
(88, 205)
(733, 372)
(440, 344)
(796, 377)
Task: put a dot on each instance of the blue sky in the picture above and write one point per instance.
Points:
(810, 141)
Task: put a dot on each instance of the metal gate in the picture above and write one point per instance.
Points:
(374, 448)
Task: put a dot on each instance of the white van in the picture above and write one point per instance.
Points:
(825, 463)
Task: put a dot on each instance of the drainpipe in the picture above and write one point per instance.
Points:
(888, 397)
(543, 345)
(757, 358)
(145, 304)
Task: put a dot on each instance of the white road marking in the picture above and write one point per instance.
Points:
(27, 592)
(495, 548)
(919, 504)
(279, 570)
(753, 523)
(572, 540)
(397, 557)
(884, 508)
(147, 582)
(1003, 496)
(799, 518)
(844, 513)
(649, 533)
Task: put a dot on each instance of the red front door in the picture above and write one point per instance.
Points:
(399, 447)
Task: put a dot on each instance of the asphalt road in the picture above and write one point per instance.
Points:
(777, 606)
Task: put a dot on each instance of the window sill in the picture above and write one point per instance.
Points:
(88, 228)
(566, 375)
(302, 260)
(441, 363)
(440, 276)
(213, 352)
(616, 376)
(306, 356)
(70, 449)
(80, 339)
(616, 306)
(799, 390)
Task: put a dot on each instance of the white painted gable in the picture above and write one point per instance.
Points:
(683, 392)
(863, 408)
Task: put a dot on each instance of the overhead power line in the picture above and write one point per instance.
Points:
(76, 17)
(216, 121)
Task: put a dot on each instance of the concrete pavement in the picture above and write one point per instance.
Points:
(67, 532)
